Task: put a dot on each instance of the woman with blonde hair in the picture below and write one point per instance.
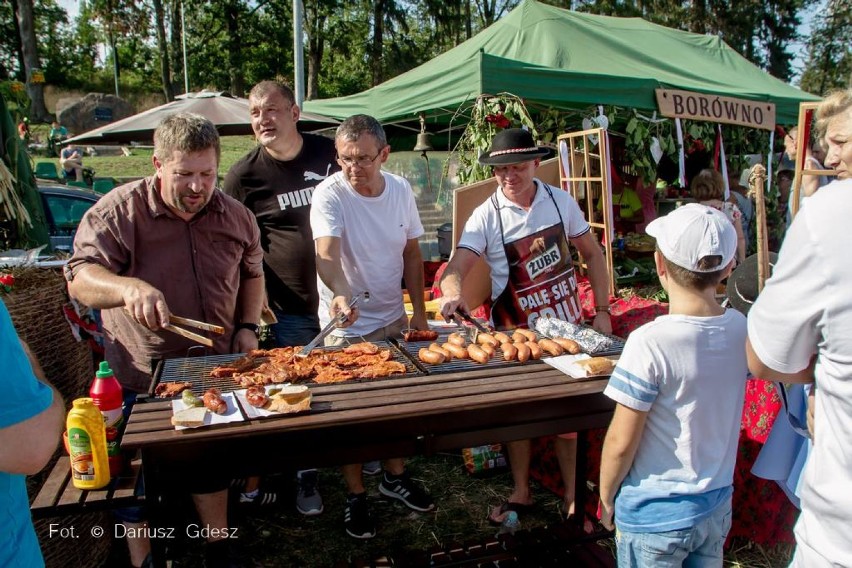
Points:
(708, 188)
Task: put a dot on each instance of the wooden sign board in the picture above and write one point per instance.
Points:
(477, 285)
(713, 108)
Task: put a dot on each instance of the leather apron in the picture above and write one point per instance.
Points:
(541, 277)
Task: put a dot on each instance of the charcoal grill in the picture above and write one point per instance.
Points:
(196, 370)
(411, 348)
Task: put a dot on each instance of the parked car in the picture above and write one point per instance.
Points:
(64, 207)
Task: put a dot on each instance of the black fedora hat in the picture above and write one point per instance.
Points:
(742, 283)
(512, 146)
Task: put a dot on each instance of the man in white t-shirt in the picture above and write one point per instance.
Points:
(800, 330)
(667, 465)
(365, 225)
(523, 232)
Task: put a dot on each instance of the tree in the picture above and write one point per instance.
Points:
(120, 19)
(24, 16)
(491, 10)
(829, 61)
(317, 15)
(11, 56)
(175, 47)
(163, 48)
(759, 30)
(387, 17)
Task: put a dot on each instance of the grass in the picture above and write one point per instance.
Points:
(283, 537)
(139, 163)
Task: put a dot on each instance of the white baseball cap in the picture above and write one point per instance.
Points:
(693, 231)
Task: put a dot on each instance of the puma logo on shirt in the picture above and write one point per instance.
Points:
(294, 199)
(311, 176)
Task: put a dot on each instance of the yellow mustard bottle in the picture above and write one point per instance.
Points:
(87, 445)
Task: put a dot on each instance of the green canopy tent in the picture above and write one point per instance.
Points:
(566, 59)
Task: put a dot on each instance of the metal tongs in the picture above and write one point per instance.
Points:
(469, 319)
(217, 329)
(330, 326)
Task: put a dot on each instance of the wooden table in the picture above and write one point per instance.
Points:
(360, 421)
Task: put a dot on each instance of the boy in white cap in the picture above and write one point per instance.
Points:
(670, 450)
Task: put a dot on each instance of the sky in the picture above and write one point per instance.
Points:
(797, 50)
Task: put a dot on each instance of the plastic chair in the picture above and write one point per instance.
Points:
(46, 170)
(102, 186)
(75, 183)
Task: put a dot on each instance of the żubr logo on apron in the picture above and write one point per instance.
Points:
(542, 263)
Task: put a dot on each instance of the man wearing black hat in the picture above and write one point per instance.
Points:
(523, 232)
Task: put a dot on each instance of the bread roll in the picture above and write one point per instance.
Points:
(597, 366)
(191, 417)
(290, 399)
(292, 394)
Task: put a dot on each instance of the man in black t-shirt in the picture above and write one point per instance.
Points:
(276, 181)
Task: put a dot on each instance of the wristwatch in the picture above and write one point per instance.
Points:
(252, 326)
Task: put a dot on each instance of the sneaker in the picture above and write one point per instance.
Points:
(357, 519)
(260, 499)
(372, 468)
(308, 499)
(403, 488)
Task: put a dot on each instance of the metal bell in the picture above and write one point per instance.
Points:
(423, 144)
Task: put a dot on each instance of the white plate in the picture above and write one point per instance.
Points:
(255, 412)
(233, 413)
(567, 364)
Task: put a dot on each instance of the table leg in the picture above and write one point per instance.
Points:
(154, 507)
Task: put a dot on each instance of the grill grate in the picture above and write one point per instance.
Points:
(615, 349)
(196, 370)
(412, 348)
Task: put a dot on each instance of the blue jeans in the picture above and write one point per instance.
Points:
(294, 329)
(699, 546)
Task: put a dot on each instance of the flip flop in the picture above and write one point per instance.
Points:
(505, 507)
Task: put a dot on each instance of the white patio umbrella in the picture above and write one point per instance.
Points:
(230, 114)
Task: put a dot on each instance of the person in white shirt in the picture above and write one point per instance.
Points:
(365, 225)
(667, 465)
(523, 232)
(800, 330)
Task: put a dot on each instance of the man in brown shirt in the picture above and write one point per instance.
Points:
(171, 242)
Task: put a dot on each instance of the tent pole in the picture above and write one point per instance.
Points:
(298, 52)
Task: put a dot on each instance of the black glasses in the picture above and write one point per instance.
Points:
(360, 161)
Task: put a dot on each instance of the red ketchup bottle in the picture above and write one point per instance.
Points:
(108, 398)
